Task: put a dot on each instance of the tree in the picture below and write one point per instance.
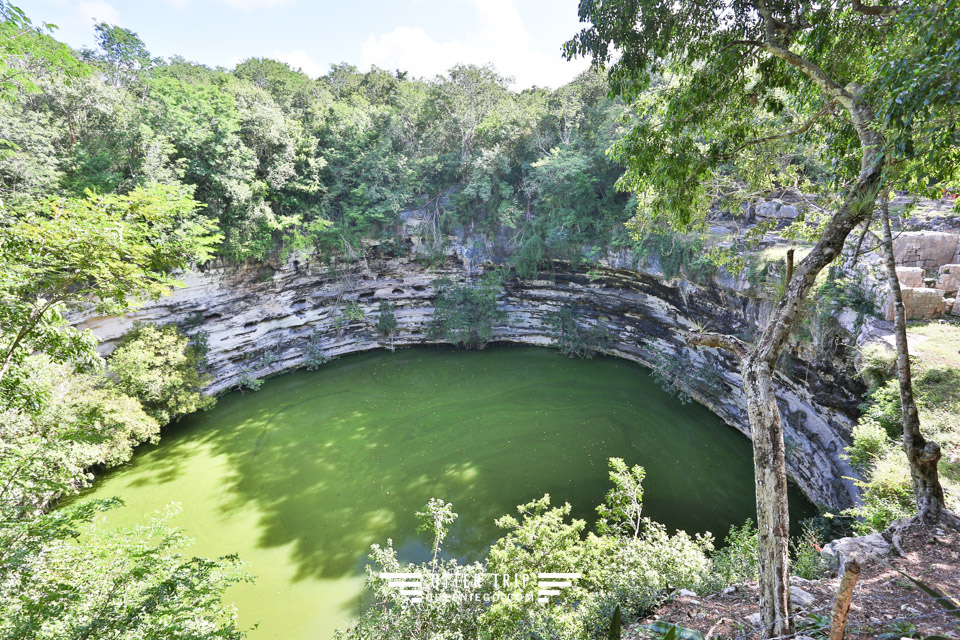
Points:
(158, 366)
(469, 95)
(923, 456)
(466, 315)
(127, 582)
(105, 251)
(27, 49)
(124, 53)
(741, 76)
(436, 518)
(386, 320)
(621, 511)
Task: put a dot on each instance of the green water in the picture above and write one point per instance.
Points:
(302, 476)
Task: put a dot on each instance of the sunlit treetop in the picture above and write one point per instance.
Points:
(728, 94)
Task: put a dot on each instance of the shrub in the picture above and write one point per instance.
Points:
(247, 381)
(807, 562)
(877, 364)
(386, 321)
(883, 406)
(572, 339)
(158, 366)
(737, 560)
(887, 494)
(616, 570)
(870, 441)
(465, 315)
(314, 356)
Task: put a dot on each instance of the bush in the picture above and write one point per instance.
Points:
(805, 549)
(386, 321)
(314, 356)
(465, 315)
(158, 366)
(616, 570)
(877, 364)
(870, 441)
(737, 560)
(887, 494)
(572, 339)
(883, 407)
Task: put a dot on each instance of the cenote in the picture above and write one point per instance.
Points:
(302, 476)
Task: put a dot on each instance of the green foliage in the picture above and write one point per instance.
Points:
(436, 518)
(882, 406)
(465, 315)
(314, 356)
(386, 320)
(353, 312)
(619, 573)
(572, 339)
(722, 109)
(105, 250)
(159, 367)
(248, 381)
(737, 560)
(887, 494)
(145, 587)
(678, 255)
(616, 625)
(27, 51)
(621, 511)
(877, 364)
(870, 441)
(806, 561)
(392, 615)
(838, 292)
(83, 423)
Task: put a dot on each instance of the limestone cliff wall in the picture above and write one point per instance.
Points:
(260, 320)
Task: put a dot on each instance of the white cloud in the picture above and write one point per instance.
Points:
(302, 60)
(501, 38)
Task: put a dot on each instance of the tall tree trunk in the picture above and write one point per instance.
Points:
(770, 477)
(923, 455)
(758, 363)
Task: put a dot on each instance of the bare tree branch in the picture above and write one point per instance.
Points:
(874, 10)
(732, 344)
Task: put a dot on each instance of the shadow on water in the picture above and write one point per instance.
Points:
(324, 464)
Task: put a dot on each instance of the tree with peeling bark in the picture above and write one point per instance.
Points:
(715, 83)
(923, 455)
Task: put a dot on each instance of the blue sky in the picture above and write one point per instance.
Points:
(521, 37)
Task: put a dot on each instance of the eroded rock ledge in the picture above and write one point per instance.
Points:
(260, 320)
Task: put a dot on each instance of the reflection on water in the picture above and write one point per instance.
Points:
(302, 476)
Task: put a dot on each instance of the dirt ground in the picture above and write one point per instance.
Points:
(884, 600)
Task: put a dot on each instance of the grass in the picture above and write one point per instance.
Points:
(935, 364)
(935, 351)
(773, 254)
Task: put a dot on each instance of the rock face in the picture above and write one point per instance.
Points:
(925, 249)
(919, 303)
(948, 278)
(263, 319)
(862, 548)
(916, 254)
(910, 276)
